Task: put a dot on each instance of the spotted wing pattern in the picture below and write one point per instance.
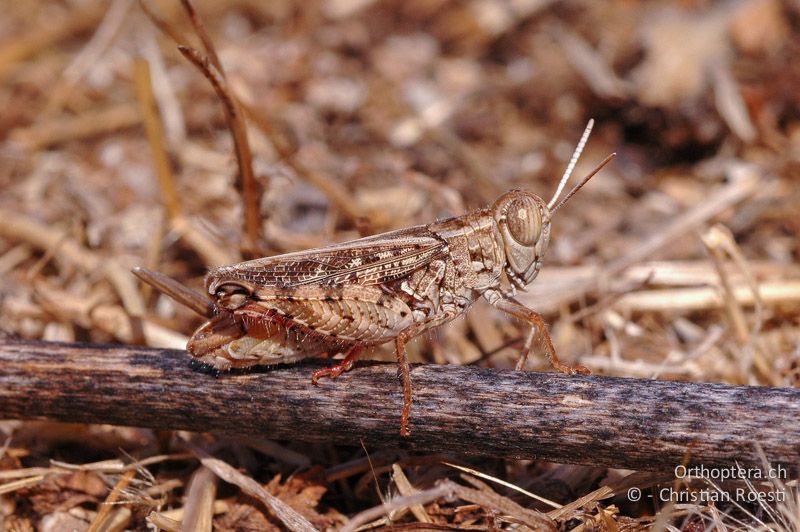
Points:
(368, 261)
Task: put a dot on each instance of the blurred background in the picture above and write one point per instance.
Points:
(678, 261)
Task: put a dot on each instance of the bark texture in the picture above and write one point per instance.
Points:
(619, 422)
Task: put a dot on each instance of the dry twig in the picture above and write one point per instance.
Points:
(630, 423)
(250, 188)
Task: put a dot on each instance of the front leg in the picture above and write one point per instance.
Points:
(517, 309)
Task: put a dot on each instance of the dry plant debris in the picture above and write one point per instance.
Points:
(352, 117)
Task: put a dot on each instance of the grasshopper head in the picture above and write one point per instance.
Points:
(523, 221)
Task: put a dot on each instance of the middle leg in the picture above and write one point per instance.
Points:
(402, 361)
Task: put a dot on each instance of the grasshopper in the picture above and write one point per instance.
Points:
(388, 287)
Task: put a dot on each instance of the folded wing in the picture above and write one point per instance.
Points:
(367, 261)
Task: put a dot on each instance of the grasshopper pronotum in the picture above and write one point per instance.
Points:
(391, 286)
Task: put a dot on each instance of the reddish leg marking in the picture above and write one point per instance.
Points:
(402, 362)
(345, 365)
(535, 319)
(405, 372)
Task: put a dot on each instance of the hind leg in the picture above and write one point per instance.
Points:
(345, 365)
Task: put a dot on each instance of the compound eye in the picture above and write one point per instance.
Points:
(524, 221)
(232, 296)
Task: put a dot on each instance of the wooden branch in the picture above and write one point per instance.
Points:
(628, 423)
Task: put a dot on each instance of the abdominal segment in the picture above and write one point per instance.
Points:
(251, 336)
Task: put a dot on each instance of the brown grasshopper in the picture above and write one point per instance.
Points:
(388, 287)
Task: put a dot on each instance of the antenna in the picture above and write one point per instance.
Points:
(572, 162)
(583, 182)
